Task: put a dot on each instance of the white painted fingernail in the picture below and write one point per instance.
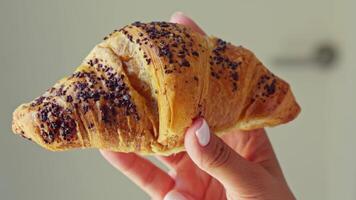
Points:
(203, 134)
(177, 14)
(174, 195)
(180, 13)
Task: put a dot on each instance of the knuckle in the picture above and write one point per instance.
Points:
(219, 156)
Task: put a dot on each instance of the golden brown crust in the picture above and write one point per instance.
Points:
(140, 88)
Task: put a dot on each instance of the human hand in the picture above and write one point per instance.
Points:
(240, 165)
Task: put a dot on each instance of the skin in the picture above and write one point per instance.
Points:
(240, 165)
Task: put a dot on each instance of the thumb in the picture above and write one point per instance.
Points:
(213, 156)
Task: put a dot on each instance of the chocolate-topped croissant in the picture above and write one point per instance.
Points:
(139, 89)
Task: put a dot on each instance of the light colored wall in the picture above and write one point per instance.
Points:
(341, 113)
(41, 41)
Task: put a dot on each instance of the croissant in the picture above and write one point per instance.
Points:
(141, 87)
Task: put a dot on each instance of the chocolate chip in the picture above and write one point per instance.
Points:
(69, 99)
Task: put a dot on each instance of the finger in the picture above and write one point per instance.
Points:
(264, 155)
(256, 147)
(177, 195)
(145, 174)
(174, 160)
(180, 18)
(212, 155)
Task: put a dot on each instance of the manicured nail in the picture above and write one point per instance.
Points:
(174, 195)
(178, 13)
(203, 134)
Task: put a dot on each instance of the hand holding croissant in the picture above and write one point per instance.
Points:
(161, 88)
(239, 165)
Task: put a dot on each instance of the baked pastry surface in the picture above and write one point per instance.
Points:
(141, 87)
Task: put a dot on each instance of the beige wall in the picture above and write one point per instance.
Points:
(341, 114)
(41, 41)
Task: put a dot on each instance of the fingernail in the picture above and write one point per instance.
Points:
(178, 13)
(175, 15)
(174, 195)
(203, 134)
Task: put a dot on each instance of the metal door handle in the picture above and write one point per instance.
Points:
(324, 55)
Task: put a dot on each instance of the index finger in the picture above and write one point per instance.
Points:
(145, 174)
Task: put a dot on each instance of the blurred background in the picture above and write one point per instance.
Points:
(311, 44)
